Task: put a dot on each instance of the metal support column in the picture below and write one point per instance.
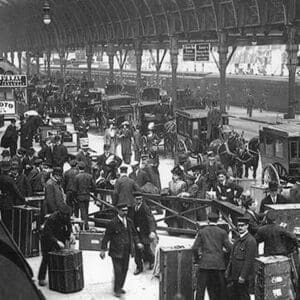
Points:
(174, 65)
(223, 51)
(111, 55)
(12, 57)
(121, 60)
(48, 58)
(27, 63)
(89, 60)
(292, 50)
(5, 56)
(62, 64)
(138, 55)
(37, 64)
(20, 61)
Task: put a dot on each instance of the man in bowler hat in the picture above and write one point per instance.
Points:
(273, 198)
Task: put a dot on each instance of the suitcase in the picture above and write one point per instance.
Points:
(273, 278)
(177, 273)
(90, 240)
(66, 271)
(25, 229)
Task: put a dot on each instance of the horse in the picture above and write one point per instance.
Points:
(250, 156)
(229, 152)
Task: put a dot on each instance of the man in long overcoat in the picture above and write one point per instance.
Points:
(145, 226)
(122, 237)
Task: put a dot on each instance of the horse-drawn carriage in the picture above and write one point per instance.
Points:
(280, 152)
(196, 128)
(119, 107)
(57, 125)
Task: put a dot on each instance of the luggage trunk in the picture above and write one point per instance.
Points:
(273, 278)
(90, 240)
(25, 229)
(177, 273)
(66, 271)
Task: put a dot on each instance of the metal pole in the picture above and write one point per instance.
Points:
(223, 51)
(174, 65)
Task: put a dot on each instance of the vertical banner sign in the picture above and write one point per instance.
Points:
(196, 52)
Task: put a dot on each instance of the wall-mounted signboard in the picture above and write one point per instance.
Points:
(196, 52)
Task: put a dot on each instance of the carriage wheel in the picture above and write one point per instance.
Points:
(281, 171)
(270, 174)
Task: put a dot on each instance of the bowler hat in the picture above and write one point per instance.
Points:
(221, 172)
(121, 205)
(244, 219)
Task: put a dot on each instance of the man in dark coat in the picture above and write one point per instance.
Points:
(60, 153)
(211, 168)
(208, 250)
(10, 138)
(227, 190)
(140, 176)
(108, 162)
(19, 157)
(83, 185)
(54, 195)
(69, 187)
(21, 181)
(124, 190)
(122, 237)
(145, 226)
(240, 270)
(277, 240)
(84, 156)
(56, 231)
(36, 177)
(273, 198)
(9, 196)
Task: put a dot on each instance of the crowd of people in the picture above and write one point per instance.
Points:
(26, 172)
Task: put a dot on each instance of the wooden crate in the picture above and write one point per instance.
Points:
(25, 229)
(177, 273)
(90, 240)
(273, 280)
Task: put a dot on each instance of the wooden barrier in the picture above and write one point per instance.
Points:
(187, 216)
